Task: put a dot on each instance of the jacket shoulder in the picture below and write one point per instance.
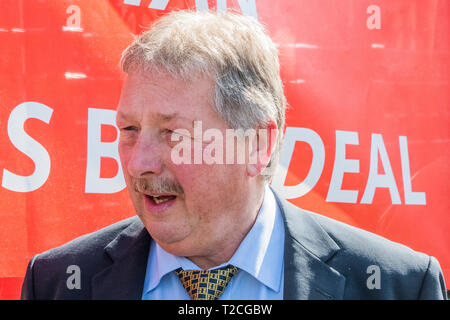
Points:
(367, 244)
(376, 267)
(88, 244)
(48, 272)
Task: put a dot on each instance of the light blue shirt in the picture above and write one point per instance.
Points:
(259, 259)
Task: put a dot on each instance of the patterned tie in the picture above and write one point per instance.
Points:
(206, 284)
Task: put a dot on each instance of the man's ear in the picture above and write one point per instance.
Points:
(261, 148)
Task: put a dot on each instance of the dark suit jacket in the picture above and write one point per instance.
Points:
(323, 259)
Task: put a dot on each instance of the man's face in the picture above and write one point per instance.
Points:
(206, 203)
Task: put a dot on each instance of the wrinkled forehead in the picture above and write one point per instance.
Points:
(164, 97)
(168, 85)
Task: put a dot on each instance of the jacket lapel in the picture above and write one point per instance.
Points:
(307, 248)
(124, 278)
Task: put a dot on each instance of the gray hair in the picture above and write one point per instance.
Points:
(234, 50)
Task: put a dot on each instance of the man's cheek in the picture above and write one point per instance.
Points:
(197, 180)
(185, 172)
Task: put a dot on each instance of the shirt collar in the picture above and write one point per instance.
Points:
(260, 253)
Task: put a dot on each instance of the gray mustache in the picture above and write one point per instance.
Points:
(162, 185)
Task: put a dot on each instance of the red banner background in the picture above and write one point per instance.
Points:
(374, 70)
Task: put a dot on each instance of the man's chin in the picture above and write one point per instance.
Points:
(166, 234)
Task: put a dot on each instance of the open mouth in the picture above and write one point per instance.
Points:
(160, 199)
(157, 204)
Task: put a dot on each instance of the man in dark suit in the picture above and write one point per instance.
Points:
(323, 258)
(208, 228)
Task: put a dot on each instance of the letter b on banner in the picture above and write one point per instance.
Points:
(97, 149)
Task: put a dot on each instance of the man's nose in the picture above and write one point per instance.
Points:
(145, 158)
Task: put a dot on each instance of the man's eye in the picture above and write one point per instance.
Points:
(129, 128)
(175, 134)
(172, 133)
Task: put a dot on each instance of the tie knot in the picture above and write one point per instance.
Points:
(206, 284)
